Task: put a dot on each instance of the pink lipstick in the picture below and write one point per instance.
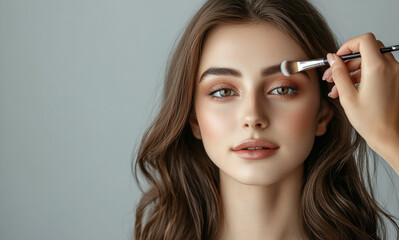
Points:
(255, 149)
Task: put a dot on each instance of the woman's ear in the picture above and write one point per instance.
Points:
(324, 118)
(195, 129)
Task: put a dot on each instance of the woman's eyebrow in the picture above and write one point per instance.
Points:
(216, 71)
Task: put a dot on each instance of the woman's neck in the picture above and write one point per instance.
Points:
(261, 212)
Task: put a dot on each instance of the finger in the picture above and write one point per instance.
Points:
(342, 79)
(355, 78)
(389, 56)
(334, 92)
(327, 75)
(353, 64)
(366, 44)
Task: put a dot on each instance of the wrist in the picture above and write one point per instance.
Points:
(389, 151)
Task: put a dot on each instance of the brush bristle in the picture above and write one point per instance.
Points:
(288, 68)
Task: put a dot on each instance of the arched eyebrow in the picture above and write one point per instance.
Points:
(215, 71)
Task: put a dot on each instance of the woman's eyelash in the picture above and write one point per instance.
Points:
(284, 91)
(223, 93)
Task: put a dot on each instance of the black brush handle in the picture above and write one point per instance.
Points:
(357, 55)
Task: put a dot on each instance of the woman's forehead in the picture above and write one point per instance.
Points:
(252, 46)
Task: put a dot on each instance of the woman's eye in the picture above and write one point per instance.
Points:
(284, 91)
(222, 93)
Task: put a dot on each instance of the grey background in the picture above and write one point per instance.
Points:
(79, 83)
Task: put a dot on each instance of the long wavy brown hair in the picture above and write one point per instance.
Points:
(182, 199)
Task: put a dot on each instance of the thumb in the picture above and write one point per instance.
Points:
(341, 78)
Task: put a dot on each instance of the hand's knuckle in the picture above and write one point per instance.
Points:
(380, 43)
(380, 66)
(370, 36)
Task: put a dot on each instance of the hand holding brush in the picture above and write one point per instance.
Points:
(290, 67)
(373, 108)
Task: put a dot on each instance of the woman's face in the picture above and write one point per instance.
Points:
(256, 125)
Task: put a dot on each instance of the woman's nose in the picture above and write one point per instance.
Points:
(256, 124)
(254, 113)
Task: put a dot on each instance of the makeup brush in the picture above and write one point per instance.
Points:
(290, 67)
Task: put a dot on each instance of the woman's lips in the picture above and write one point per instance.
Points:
(256, 154)
(255, 149)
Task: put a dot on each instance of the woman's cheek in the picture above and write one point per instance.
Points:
(215, 120)
(299, 120)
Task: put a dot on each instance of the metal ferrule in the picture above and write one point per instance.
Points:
(306, 65)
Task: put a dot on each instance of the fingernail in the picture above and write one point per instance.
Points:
(333, 89)
(327, 74)
(330, 59)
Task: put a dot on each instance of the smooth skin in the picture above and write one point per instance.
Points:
(373, 108)
(261, 198)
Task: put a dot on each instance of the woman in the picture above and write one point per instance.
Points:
(238, 151)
